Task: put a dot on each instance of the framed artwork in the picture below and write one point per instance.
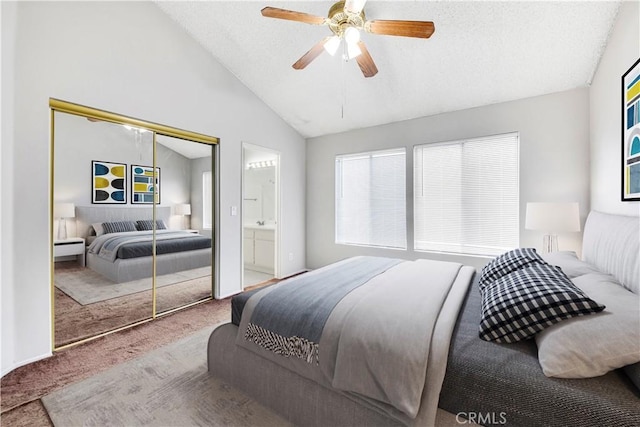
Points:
(631, 133)
(144, 185)
(108, 182)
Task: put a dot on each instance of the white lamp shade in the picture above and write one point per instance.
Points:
(331, 46)
(64, 210)
(183, 209)
(553, 217)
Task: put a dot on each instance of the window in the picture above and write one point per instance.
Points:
(207, 202)
(466, 195)
(370, 199)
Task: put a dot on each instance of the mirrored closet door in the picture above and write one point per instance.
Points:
(132, 214)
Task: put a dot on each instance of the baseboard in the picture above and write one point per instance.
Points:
(295, 273)
(228, 295)
(26, 362)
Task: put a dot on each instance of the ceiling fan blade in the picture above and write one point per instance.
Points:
(421, 29)
(290, 15)
(311, 54)
(354, 6)
(365, 61)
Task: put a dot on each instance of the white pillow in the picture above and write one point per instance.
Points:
(569, 262)
(590, 346)
(97, 226)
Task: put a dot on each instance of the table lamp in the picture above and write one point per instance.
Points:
(552, 218)
(184, 209)
(62, 211)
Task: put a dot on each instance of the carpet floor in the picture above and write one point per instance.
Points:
(75, 321)
(22, 388)
(87, 287)
(170, 386)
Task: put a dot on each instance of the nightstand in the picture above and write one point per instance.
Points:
(69, 247)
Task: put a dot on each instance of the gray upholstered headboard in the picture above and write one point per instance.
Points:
(87, 215)
(612, 243)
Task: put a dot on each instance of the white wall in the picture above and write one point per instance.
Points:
(79, 141)
(7, 300)
(623, 49)
(129, 58)
(554, 165)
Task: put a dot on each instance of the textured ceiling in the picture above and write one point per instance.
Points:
(481, 53)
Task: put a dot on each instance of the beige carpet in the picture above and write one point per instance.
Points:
(22, 388)
(74, 321)
(87, 287)
(167, 387)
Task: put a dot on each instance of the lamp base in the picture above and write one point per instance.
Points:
(549, 243)
(62, 229)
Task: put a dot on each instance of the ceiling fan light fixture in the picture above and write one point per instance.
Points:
(353, 50)
(352, 35)
(332, 45)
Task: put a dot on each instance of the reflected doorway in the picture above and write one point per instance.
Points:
(260, 214)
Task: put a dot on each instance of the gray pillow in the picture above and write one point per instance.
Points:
(147, 224)
(118, 226)
(97, 227)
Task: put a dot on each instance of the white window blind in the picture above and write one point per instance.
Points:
(466, 195)
(370, 199)
(207, 202)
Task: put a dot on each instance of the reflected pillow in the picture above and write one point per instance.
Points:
(118, 227)
(147, 224)
(97, 226)
(506, 263)
(527, 301)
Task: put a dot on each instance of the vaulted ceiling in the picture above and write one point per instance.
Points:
(481, 53)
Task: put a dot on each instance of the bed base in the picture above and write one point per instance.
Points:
(298, 399)
(125, 270)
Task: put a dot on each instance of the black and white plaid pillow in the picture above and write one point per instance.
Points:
(118, 226)
(147, 224)
(506, 263)
(526, 301)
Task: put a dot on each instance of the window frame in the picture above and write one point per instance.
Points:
(338, 190)
(460, 142)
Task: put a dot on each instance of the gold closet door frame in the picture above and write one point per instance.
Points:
(157, 129)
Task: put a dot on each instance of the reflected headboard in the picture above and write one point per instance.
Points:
(87, 215)
(612, 243)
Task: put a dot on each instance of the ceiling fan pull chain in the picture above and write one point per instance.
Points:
(344, 78)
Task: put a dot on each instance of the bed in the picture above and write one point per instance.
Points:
(125, 255)
(465, 376)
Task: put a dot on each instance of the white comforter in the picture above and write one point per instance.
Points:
(387, 341)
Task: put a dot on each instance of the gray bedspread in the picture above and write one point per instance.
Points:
(504, 382)
(136, 244)
(289, 321)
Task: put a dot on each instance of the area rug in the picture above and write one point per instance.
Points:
(87, 287)
(169, 386)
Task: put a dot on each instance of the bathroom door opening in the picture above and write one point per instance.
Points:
(260, 214)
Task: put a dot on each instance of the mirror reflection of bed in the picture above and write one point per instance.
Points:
(103, 263)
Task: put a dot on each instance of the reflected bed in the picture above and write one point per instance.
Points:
(126, 256)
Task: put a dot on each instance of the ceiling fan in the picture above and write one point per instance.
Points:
(346, 19)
